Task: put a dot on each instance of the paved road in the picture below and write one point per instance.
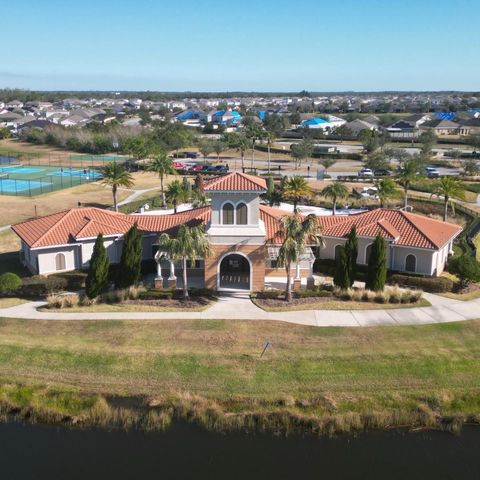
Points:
(241, 308)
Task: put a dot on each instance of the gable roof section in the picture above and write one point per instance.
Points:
(401, 228)
(76, 224)
(236, 182)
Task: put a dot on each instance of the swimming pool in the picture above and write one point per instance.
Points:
(76, 173)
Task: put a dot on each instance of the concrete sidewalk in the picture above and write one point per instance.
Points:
(239, 307)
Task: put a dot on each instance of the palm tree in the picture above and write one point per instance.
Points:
(162, 165)
(199, 198)
(335, 191)
(406, 174)
(327, 162)
(386, 190)
(176, 193)
(296, 232)
(448, 188)
(296, 188)
(115, 175)
(254, 133)
(270, 138)
(189, 244)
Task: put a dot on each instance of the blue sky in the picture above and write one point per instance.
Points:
(219, 45)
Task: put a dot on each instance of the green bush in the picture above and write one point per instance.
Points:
(9, 283)
(427, 284)
(312, 293)
(202, 292)
(466, 268)
(272, 294)
(156, 294)
(39, 285)
(74, 280)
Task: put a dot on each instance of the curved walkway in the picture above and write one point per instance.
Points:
(241, 308)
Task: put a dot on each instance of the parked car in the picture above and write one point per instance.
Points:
(381, 172)
(190, 155)
(178, 166)
(193, 167)
(431, 172)
(365, 172)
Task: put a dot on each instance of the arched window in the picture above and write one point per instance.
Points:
(368, 252)
(410, 263)
(337, 251)
(227, 214)
(59, 261)
(242, 213)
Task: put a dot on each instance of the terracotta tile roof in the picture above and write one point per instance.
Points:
(402, 228)
(236, 182)
(69, 226)
(80, 223)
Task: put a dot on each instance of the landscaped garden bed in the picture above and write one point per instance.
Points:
(327, 298)
(133, 299)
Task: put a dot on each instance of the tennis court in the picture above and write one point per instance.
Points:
(29, 180)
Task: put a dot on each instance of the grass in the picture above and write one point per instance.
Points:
(341, 305)
(462, 296)
(10, 302)
(321, 380)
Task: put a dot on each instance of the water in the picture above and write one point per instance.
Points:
(187, 452)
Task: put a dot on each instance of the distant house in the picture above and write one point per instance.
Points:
(441, 126)
(407, 127)
(469, 127)
(226, 117)
(329, 123)
(356, 126)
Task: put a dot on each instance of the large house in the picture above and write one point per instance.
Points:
(245, 236)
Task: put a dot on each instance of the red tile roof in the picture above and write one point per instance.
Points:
(402, 228)
(80, 223)
(236, 182)
(70, 226)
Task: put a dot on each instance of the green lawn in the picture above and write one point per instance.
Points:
(211, 371)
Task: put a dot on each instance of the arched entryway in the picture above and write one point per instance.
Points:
(234, 272)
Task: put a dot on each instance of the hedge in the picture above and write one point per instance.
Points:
(428, 284)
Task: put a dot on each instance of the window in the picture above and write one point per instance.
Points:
(227, 214)
(368, 252)
(337, 251)
(410, 263)
(59, 261)
(242, 214)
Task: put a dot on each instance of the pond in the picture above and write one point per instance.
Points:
(185, 452)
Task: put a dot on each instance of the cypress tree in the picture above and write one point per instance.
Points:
(97, 277)
(351, 249)
(130, 268)
(377, 266)
(340, 278)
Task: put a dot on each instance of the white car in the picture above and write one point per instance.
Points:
(365, 172)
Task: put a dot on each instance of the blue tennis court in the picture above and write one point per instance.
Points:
(6, 159)
(8, 185)
(76, 173)
(21, 170)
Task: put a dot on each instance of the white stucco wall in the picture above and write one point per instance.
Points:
(46, 259)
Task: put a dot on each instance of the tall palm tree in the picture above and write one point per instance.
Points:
(270, 138)
(176, 193)
(297, 231)
(115, 175)
(386, 190)
(189, 244)
(162, 165)
(406, 174)
(296, 188)
(448, 188)
(335, 191)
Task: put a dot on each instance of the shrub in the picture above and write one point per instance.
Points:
(202, 292)
(312, 293)
(131, 259)
(377, 265)
(9, 282)
(427, 284)
(63, 301)
(39, 285)
(55, 301)
(368, 296)
(154, 294)
(271, 294)
(395, 294)
(74, 280)
(466, 268)
(381, 297)
(341, 277)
